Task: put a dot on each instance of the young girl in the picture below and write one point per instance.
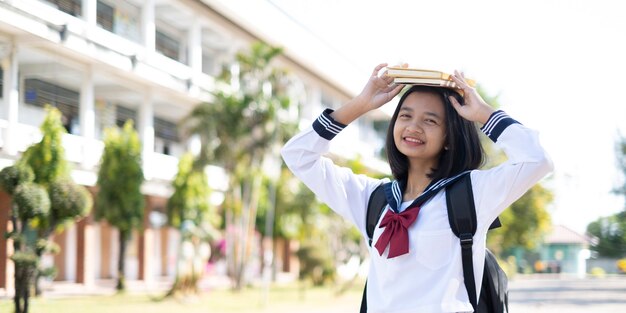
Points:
(416, 262)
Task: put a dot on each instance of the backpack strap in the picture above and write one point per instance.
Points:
(375, 206)
(363, 308)
(462, 218)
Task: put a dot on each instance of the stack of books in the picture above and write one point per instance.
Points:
(411, 76)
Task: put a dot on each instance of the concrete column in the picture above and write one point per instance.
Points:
(87, 118)
(85, 254)
(146, 131)
(148, 26)
(60, 258)
(11, 99)
(146, 255)
(194, 42)
(90, 13)
(194, 48)
(106, 251)
(70, 252)
(164, 240)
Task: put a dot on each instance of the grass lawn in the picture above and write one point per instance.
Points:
(281, 299)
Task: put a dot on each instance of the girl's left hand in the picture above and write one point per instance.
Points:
(475, 108)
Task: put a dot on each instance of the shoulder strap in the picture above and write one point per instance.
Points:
(375, 207)
(462, 218)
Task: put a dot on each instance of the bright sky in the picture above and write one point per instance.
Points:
(558, 67)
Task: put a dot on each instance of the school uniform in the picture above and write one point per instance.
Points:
(429, 278)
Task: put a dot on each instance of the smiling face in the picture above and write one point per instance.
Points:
(420, 131)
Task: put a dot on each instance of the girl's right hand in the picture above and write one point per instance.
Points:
(379, 89)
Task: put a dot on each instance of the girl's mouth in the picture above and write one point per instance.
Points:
(412, 140)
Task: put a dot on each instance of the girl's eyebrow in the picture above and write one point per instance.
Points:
(435, 115)
(410, 109)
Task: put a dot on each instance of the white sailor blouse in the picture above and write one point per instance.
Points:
(429, 278)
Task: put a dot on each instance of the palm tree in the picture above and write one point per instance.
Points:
(239, 130)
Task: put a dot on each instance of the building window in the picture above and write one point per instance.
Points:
(121, 18)
(165, 129)
(167, 45)
(105, 16)
(41, 93)
(209, 64)
(168, 132)
(71, 7)
(123, 114)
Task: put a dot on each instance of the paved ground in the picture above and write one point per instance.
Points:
(528, 294)
(567, 295)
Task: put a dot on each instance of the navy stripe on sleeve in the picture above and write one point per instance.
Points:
(326, 126)
(496, 124)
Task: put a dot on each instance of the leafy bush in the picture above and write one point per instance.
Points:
(69, 200)
(13, 176)
(47, 157)
(316, 263)
(598, 272)
(31, 200)
(25, 259)
(621, 266)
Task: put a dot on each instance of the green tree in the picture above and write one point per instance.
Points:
(31, 202)
(68, 201)
(17, 182)
(524, 223)
(188, 210)
(610, 235)
(45, 200)
(239, 130)
(119, 200)
(302, 218)
(295, 204)
(47, 158)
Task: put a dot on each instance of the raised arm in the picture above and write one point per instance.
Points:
(496, 188)
(343, 191)
(475, 108)
(378, 91)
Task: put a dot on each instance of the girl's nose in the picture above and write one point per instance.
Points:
(415, 128)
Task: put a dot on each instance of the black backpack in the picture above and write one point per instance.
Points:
(462, 217)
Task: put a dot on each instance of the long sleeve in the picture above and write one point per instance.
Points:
(343, 191)
(497, 188)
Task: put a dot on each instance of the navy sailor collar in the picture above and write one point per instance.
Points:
(395, 189)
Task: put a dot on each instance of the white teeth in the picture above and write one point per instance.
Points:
(413, 140)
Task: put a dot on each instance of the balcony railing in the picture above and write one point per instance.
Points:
(86, 153)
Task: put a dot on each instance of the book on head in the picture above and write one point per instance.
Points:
(425, 81)
(413, 72)
(423, 77)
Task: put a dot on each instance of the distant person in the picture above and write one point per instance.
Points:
(432, 137)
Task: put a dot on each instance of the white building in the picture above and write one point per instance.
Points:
(102, 62)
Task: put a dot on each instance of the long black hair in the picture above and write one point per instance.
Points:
(464, 151)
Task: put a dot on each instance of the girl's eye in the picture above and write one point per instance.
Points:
(429, 121)
(405, 116)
